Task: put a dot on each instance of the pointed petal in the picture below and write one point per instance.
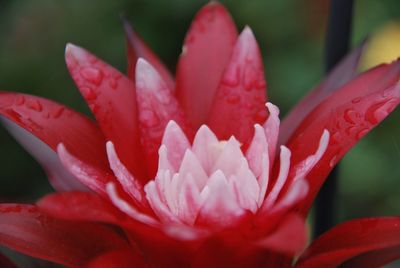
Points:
(364, 242)
(206, 147)
(118, 259)
(176, 143)
(25, 229)
(290, 237)
(189, 200)
(284, 165)
(191, 165)
(157, 106)
(219, 207)
(125, 207)
(206, 51)
(129, 183)
(138, 49)
(112, 99)
(339, 76)
(91, 176)
(272, 130)
(230, 158)
(348, 115)
(40, 125)
(239, 102)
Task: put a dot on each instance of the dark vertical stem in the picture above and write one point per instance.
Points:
(337, 44)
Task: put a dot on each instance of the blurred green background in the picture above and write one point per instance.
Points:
(33, 34)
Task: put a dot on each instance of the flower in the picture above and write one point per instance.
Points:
(195, 171)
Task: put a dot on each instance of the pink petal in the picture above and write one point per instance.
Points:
(348, 115)
(125, 207)
(339, 76)
(131, 186)
(157, 106)
(206, 147)
(239, 102)
(189, 200)
(112, 99)
(25, 229)
(219, 207)
(118, 259)
(51, 123)
(89, 175)
(138, 49)
(290, 237)
(284, 165)
(176, 143)
(191, 165)
(230, 158)
(272, 130)
(362, 242)
(205, 54)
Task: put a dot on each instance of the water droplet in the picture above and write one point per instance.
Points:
(233, 99)
(349, 114)
(88, 93)
(356, 100)
(148, 118)
(261, 116)
(113, 83)
(20, 100)
(378, 111)
(164, 98)
(232, 77)
(362, 133)
(57, 112)
(15, 116)
(34, 105)
(333, 161)
(336, 137)
(92, 75)
(46, 115)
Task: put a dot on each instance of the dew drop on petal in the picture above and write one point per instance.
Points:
(34, 105)
(57, 112)
(92, 75)
(149, 118)
(88, 93)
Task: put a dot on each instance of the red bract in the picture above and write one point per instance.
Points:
(189, 173)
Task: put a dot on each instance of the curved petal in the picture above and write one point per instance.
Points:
(112, 99)
(348, 115)
(157, 106)
(6, 263)
(138, 49)
(40, 125)
(118, 259)
(25, 229)
(205, 53)
(357, 243)
(239, 102)
(339, 76)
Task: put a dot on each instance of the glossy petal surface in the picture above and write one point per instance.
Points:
(206, 51)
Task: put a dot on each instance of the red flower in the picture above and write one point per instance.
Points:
(186, 168)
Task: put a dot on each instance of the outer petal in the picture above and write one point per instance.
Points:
(239, 102)
(157, 106)
(112, 99)
(118, 259)
(348, 115)
(339, 76)
(138, 49)
(207, 49)
(40, 125)
(359, 243)
(25, 229)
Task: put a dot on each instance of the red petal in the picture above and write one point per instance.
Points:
(118, 259)
(359, 243)
(112, 99)
(25, 229)
(80, 206)
(239, 102)
(289, 238)
(339, 76)
(40, 125)
(6, 263)
(348, 115)
(138, 49)
(206, 51)
(157, 106)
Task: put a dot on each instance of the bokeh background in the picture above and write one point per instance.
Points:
(33, 34)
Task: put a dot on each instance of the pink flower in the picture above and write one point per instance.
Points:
(196, 171)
